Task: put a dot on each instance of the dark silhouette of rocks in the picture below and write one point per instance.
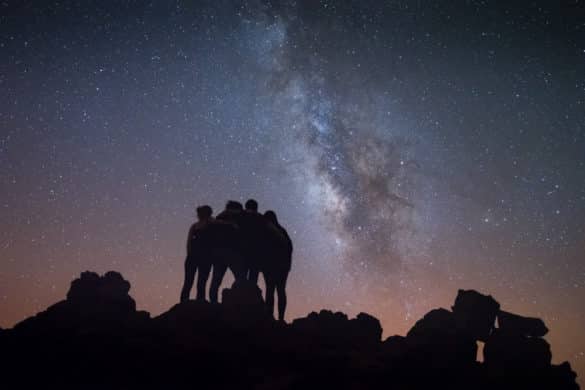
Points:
(109, 292)
(525, 326)
(436, 340)
(505, 350)
(475, 313)
(97, 339)
(516, 350)
(329, 328)
(93, 303)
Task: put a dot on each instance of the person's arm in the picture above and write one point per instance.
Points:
(288, 239)
(189, 238)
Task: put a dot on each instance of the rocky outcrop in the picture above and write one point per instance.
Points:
(109, 291)
(515, 350)
(522, 326)
(93, 303)
(96, 339)
(475, 313)
(327, 327)
(436, 340)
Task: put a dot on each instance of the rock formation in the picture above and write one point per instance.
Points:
(97, 339)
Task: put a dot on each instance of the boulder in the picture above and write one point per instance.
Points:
(325, 324)
(368, 327)
(96, 292)
(435, 322)
(523, 326)
(244, 306)
(510, 351)
(114, 286)
(94, 303)
(563, 377)
(476, 313)
(84, 288)
(436, 341)
(92, 340)
(243, 294)
(330, 328)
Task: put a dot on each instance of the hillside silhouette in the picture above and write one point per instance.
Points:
(97, 339)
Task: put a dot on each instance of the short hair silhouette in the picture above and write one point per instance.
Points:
(234, 205)
(204, 212)
(252, 204)
(271, 216)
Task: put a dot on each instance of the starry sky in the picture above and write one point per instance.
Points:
(411, 148)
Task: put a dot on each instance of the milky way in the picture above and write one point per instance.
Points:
(411, 148)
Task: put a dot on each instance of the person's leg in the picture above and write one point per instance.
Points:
(239, 273)
(219, 271)
(204, 269)
(269, 295)
(236, 265)
(281, 290)
(253, 275)
(190, 269)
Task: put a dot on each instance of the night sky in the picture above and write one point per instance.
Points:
(411, 148)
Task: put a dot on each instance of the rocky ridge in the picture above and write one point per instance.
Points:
(96, 338)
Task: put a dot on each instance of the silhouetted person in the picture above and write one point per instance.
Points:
(253, 227)
(242, 240)
(271, 217)
(252, 205)
(277, 270)
(251, 232)
(234, 205)
(195, 259)
(227, 240)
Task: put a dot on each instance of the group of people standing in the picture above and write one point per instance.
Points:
(243, 240)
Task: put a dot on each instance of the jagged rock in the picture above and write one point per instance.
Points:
(433, 323)
(563, 377)
(95, 339)
(325, 326)
(437, 339)
(192, 322)
(336, 328)
(243, 294)
(524, 326)
(114, 286)
(476, 313)
(93, 291)
(505, 350)
(189, 314)
(368, 326)
(395, 347)
(93, 302)
(85, 287)
(245, 308)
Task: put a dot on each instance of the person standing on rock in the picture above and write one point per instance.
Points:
(277, 269)
(192, 262)
(253, 228)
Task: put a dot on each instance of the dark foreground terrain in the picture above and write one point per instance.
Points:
(95, 339)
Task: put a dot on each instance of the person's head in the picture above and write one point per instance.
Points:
(233, 205)
(271, 216)
(251, 205)
(204, 212)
